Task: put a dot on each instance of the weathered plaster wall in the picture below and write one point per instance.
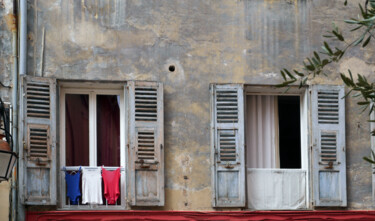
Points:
(6, 20)
(4, 202)
(208, 41)
(6, 24)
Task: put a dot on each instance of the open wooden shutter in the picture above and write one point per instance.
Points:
(328, 151)
(37, 152)
(228, 178)
(146, 138)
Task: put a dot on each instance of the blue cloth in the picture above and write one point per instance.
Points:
(72, 184)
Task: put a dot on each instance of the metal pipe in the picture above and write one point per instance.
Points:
(23, 36)
(22, 53)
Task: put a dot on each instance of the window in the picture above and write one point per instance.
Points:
(272, 141)
(111, 124)
(274, 149)
(92, 121)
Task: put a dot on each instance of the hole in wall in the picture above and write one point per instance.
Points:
(172, 68)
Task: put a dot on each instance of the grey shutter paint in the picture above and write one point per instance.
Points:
(328, 139)
(37, 129)
(227, 138)
(146, 140)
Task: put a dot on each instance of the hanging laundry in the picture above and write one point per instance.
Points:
(72, 184)
(91, 186)
(111, 185)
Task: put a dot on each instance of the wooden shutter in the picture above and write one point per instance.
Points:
(37, 130)
(146, 139)
(227, 121)
(328, 151)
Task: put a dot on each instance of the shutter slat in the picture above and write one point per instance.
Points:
(145, 104)
(328, 111)
(328, 147)
(38, 100)
(38, 141)
(226, 106)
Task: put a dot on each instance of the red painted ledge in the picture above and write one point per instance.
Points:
(196, 215)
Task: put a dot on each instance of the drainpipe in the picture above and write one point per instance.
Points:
(23, 36)
(22, 26)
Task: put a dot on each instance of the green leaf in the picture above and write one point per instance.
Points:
(359, 40)
(369, 160)
(356, 28)
(317, 56)
(325, 62)
(338, 35)
(289, 74)
(298, 73)
(327, 47)
(367, 41)
(351, 21)
(304, 81)
(351, 76)
(283, 74)
(362, 11)
(363, 102)
(347, 81)
(316, 63)
(346, 2)
(285, 83)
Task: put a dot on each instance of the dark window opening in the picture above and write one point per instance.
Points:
(289, 132)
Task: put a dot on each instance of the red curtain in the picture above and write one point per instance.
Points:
(108, 130)
(77, 129)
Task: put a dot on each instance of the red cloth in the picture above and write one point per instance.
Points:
(201, 215)
(111, 185)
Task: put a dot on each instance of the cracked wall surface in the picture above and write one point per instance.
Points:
(213, 41)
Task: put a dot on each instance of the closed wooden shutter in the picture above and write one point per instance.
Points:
(38, 141)
(146, 140)
(328, 139)
(228, 142)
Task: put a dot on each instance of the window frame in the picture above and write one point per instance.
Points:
(92, 89)
(305, 126)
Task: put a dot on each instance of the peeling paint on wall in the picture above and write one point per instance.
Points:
(215, 41)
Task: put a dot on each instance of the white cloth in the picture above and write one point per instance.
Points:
(276, 189)
(92, 186)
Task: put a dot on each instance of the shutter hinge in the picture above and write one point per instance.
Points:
(127, 145)
(161, 146)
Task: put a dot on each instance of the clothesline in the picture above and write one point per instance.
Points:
(73, 168)
(92, 178)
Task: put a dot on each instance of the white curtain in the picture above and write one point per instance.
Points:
(281, 189)
(262, 131)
